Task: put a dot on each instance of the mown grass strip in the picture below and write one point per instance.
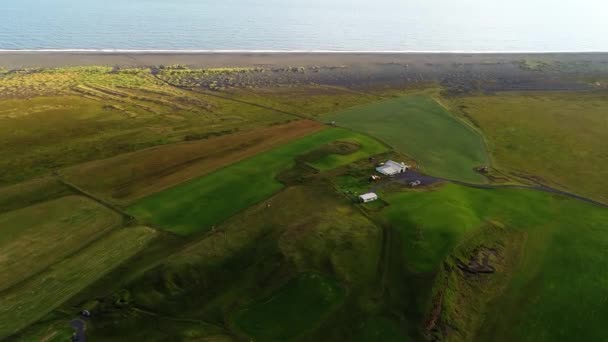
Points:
(33, 299)
(37, 236)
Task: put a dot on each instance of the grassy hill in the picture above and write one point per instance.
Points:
(560, 270)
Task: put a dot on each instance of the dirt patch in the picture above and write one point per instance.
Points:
(128, 177)
(480, 261)
(474, 274)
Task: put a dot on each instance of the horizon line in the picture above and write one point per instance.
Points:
(270, 51)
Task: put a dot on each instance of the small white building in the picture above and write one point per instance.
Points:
(392, 168)
(368, 197)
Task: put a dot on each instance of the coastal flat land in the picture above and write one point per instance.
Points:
(217, 196)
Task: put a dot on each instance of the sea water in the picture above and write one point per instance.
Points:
(305, 25)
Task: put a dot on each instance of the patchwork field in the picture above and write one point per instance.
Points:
(197, 205)
(254, 253)
(98, 112)
(294, 309)
(557, 138)
(39, 295)
(128, 177)
(560, 255)
(265, 239)
(35, 237)
(419, 127)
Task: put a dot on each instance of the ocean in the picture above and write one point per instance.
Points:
(305, 25)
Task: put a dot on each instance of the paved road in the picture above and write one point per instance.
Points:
(79, 325)
(412, 175)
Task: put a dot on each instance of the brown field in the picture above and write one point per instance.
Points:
(128, 177)
(35, 237)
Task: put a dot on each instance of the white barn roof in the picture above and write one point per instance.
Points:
(391, 167)
(370, 196)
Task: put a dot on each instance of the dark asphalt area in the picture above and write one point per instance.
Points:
(79, 325)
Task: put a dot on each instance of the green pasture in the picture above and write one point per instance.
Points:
(558, 138)
(34, 298)
(421, 128)
(197, 205)
(297, 307)
(563, 267)
(35, 237)
(256, 251)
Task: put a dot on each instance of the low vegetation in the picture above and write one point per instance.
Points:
(421, 128)
(35, 237)
(128, 177)
(196, 206)
(294, 309)
(563, 239)
(28, 193)
(94, 113)
(556, 138)
(39, 295)
(251, 256)
(260, 233)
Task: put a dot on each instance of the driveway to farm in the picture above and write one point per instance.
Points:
(78, 325)
(425, 180)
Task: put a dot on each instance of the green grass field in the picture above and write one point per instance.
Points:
(419, 127)
(555, 137)
(197, 205)
(562, 270)
(39, 295)
(35, 237)
(296, 308)
(253, 253)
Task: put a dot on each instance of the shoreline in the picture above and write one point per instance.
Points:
(19, 59)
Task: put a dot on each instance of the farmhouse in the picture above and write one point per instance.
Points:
(368, 197)
(391, 168)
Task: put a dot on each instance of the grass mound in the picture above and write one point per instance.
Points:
(475, 273)
(297, 307)
(419, 127)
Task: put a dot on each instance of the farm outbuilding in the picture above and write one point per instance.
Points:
(368, 197)
(392, 168)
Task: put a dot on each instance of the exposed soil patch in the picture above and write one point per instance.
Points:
(474, 274)
(480, 261)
